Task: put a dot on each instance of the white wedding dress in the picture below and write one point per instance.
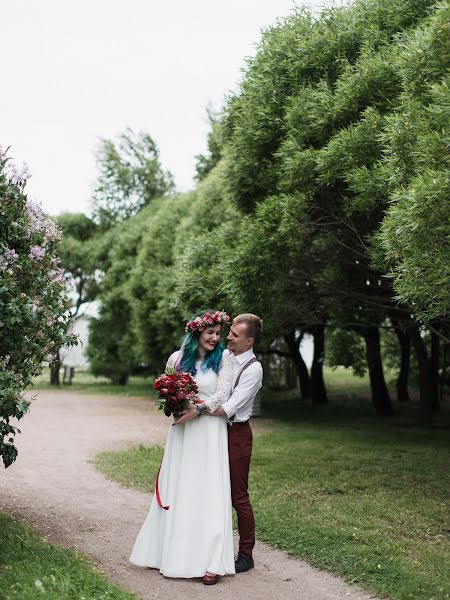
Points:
(195, 534)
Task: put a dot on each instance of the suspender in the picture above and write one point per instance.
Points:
(247, 364)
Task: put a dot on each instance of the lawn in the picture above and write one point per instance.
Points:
(31, 568)
(367, 499)
(86, 383)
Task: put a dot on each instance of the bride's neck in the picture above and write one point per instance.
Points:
(201, 353)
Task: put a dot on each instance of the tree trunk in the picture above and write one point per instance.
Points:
(319, 392)
(405, 353)
(54, 369)
(293, 343)
(435, 351)
(380, 394)
(120, 379)
(425, 376)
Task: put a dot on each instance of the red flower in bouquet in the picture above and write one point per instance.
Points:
(176, 389)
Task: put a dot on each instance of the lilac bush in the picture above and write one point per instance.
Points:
(34, 305)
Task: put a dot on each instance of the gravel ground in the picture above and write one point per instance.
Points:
(54, 488)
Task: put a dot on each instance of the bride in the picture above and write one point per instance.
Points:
(188, 530)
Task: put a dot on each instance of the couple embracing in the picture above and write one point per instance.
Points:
(204, 472)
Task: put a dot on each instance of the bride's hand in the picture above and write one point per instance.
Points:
(186, 415)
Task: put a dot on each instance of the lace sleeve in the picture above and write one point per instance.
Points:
(224, 383)
(172, 360)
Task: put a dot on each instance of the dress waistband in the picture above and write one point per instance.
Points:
(230, 423)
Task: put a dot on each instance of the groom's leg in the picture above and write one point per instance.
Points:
(240, 441)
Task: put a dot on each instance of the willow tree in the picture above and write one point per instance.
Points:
(413, 242)
(304, 139)
(130, 177)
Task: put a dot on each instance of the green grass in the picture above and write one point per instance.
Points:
(363, 498)
(30, 568)
(143, 462)
(339, 382)
(86, 383)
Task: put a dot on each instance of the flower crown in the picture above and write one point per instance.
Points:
(200, 323)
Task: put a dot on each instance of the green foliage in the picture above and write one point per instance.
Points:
(350, 113)
(79, 250)
(413, 242)
(130, 177)
(33, 299)
(205, 163)
(344, 347)
(206, 240)
(328, 70)
(180, 266)
(322, 199)
(112, 344)
(155, 321)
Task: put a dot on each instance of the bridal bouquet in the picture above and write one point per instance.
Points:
(176, 389)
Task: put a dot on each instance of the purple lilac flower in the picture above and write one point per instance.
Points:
(37, 252)
(39, 222)
(19, 177)
(11, 255)
(58, 276)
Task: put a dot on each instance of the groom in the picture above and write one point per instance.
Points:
(248, 376)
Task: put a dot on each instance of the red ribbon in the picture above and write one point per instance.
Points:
(158, 497)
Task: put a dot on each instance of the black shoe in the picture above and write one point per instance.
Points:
(243, 563)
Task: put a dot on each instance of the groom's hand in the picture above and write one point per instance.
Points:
(186, 416)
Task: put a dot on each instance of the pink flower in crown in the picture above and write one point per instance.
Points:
(201, 322)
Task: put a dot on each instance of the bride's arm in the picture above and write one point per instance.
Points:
(224, 383)
(223, 390)
(171, 361)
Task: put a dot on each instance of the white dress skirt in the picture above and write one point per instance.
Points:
(195, 534)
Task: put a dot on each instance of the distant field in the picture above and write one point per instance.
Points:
(338, 381)
(87, 383)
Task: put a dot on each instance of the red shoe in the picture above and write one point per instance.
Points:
(210, 579)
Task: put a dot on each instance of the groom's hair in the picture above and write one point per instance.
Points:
(253, 324)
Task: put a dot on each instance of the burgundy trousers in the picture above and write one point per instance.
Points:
(240, 442)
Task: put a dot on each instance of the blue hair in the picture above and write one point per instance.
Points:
(189, 353)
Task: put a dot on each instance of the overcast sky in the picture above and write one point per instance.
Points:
(76, 72)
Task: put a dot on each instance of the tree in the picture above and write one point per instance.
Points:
(112, 347)
(205, 163)
(304, 147)
(33, 298)
(131, 176)
(79, 249)
(413, 241)
(155, 319)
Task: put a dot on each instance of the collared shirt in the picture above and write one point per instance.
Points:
(240, 402)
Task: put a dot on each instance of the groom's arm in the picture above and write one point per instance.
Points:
(224, 384)
(248, 386)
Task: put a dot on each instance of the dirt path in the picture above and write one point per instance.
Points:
(55, 488)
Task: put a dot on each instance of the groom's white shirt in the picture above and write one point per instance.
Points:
(241, 400)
